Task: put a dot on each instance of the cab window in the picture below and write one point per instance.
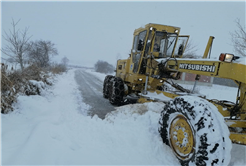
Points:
(180, 46)
(157, 43)
(141, 40)
(167, 45)
(135, 43)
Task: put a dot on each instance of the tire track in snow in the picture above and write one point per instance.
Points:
(91, 89)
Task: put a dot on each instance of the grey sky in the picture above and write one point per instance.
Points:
(88, 31)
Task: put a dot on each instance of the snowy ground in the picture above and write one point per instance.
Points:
(54, 129)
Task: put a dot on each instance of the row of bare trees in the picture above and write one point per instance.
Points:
(33, 78)
(21, 50)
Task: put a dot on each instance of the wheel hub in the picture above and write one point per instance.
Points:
(181, 137)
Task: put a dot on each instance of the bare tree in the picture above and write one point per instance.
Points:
(190, 50)
(238, 38)
(40, 52)
(17, 43)
(65, 60)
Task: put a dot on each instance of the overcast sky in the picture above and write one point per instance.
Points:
(85, 32)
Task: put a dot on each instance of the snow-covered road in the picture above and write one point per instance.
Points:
(91, 89)
(55, 129)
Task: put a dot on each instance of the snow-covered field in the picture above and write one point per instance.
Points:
(54, 129)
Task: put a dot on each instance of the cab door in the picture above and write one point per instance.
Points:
(138, 50)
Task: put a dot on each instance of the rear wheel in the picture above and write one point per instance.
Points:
(195, 131)
(106, 86)
(116, 92)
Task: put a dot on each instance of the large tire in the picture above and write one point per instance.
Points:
(196, 132)
(106, 86)
(116, 92)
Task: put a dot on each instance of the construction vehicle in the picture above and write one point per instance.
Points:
(198, 130)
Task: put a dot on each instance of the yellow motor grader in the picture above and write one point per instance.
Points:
(198, 130)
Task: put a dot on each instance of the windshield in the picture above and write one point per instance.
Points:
(164, 43)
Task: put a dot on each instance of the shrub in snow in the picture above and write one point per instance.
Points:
(34, 87)
(6, 100)
(31, 81)
(7, 94)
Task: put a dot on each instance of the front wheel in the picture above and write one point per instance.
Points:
(116, 91)
(195, 131)
(106, 86)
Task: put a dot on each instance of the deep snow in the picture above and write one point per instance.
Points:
(54, 129)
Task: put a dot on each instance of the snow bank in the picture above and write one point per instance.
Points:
(54, 129)
(35, 132)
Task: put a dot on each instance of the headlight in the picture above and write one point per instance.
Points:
(140, 79)
(226, 57)
(161, 81)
